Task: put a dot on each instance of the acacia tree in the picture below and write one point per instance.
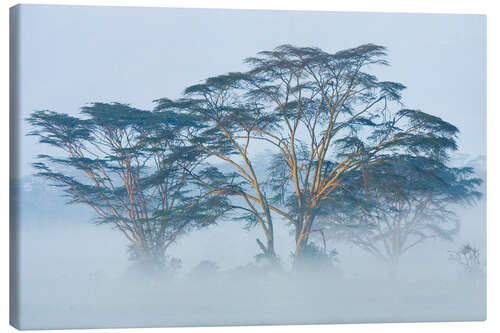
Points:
(323, 115)
(389, 207)
(129, 166)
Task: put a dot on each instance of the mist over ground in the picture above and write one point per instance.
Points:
(74, 274)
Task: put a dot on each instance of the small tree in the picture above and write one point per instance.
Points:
(469, 258)
(129, 166)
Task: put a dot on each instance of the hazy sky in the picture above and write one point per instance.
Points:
(72, 55)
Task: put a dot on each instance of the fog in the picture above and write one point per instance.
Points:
(74, 274)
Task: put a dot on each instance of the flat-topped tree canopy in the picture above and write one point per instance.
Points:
(131, 167)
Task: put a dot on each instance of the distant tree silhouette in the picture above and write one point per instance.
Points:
(389, 207)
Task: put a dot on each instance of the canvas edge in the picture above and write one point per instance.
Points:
(14, 20)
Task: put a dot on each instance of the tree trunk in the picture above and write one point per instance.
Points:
(148, 262)
(268, 249)
(394, 265)
(268, 252)
(300, 244)
(395, 253)
(302, 233)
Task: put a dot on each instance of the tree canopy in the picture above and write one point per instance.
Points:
(131, 168)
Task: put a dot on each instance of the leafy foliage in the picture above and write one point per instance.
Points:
(131, 168)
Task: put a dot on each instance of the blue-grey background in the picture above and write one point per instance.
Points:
(72, 55)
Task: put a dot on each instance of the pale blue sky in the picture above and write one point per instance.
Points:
(72, 55)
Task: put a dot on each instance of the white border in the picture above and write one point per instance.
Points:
(421, 6)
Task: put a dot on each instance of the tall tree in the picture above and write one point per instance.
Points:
(323, 115)
(335, 117)
(129, 166)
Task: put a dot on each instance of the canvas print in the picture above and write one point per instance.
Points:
(210, 167)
